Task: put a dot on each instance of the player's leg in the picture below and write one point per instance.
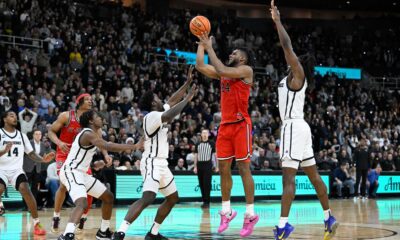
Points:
(225, 154)
(85, 213)
(3, 187)
(59, 200)
(20, 183)
(168, 189)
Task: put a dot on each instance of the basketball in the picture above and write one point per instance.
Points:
(199, 24)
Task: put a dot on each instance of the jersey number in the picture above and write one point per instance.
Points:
(15, 152)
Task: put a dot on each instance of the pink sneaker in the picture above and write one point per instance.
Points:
(225, 221)
(248, 225)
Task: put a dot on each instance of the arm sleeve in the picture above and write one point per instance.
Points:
(27, 144)
(152, 122)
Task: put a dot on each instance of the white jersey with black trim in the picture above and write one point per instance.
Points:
(156, 138)
(14, 159)
(291, 103)
(79, 157)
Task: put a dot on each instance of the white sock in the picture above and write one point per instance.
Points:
(1, 204)
(84, 215)
(327, 213)
(226, 207)
(282, 222)
(250, 209)
(155, 228)
(104, 225)
(70, 228)
(124, 226)
(36, 221)
(56, 214)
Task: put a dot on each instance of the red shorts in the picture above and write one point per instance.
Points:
(61, 162)
(234, 140)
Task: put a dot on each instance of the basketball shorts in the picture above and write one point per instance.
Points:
(296, 144)
(59, 164)
(11, 176)
(80, 184)
(234, 140)
(157, 177)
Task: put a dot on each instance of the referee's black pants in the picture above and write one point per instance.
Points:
(204, 173)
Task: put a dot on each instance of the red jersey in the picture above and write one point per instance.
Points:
(235, 95)
(68, 134)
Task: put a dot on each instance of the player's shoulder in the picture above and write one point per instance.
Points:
(64, 116)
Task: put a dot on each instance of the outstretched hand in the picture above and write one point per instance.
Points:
(192, 92)
(205, 40)
(275, 14)
(48, 157)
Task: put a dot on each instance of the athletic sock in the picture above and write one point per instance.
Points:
(250, 209)
(327, 214)
(36, 221)
(1, 204)
(124, 226)
(104, 225)
(56, 214)
(226, 207)
(155, 228)
(282, 222)
(70, 228)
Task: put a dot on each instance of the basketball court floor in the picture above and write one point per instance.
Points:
(359, 219)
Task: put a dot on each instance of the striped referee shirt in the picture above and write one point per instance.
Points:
(204, 151)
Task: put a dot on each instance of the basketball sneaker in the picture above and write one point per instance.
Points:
(104, 235)
(39, 230)
(118, 236)
(150, 236)
(283, 233)
(2, 211)
(69, 236)
(330, 228)
(248, 225)
(225, 219)
(55, 224)
(79, 229)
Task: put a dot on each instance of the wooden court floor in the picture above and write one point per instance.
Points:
(359, 219)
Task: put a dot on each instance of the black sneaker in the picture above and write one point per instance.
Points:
(150, 236)
(2, 211)
(104, 235)
(118, 236)
(82, 223)
(55, 224)
(69, 236)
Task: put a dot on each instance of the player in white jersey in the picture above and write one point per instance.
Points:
(14, 144)
(296, 144)
(73, 174)
(154, 165)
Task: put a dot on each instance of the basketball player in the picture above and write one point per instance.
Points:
(74, 176)
(154, 165)
(234, 140)
(296, 143)
(67, 124)
(14, 144)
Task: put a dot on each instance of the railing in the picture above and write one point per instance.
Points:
(22, 41)
(392, 83)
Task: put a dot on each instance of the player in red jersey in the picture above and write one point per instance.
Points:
(234, 139)
(67, 124)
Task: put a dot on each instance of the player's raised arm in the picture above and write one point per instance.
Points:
(55, 128)
(205, 69)
(178, 95)
(242, 71)
(169, 115)
(291, 59)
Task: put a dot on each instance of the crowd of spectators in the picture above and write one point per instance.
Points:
(114, 60)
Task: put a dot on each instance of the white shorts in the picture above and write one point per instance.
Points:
(157, 178)
(80, 184)
(11, 176)
(296, 144)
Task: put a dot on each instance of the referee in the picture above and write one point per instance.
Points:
(203, 166)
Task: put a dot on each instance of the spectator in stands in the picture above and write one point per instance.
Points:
(344, 156)
(272, 156)
(373, 183)
(27, 120)
(388, 164)
(181, 165)
(190, 158)
(45, 103)
(342, 179)
(52, 180)
(265, 166)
